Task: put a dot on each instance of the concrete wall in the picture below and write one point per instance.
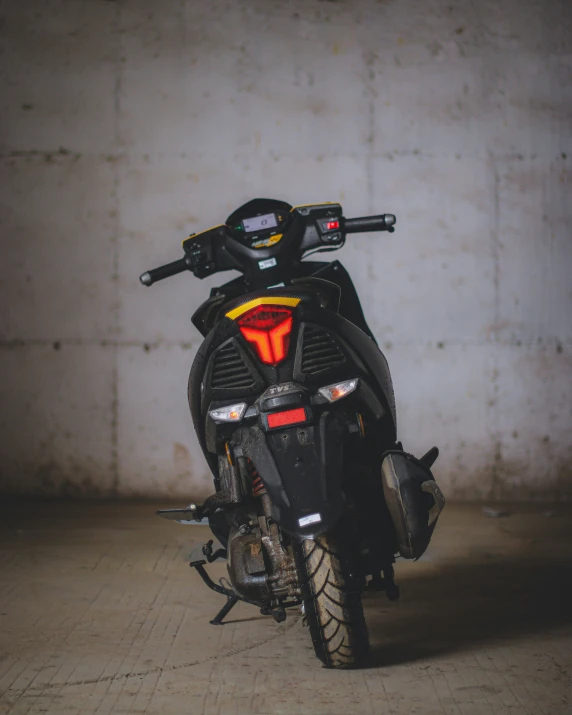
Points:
(127, 125)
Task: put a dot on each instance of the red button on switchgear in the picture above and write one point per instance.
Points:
(331, 225)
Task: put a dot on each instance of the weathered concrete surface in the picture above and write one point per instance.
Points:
(100, 613)
(126, 126)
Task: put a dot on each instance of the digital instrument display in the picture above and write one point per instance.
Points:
(259, 223)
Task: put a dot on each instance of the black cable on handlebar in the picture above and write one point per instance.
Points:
(383, 222)
(166, 271)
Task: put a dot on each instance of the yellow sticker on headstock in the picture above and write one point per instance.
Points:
(268, 241)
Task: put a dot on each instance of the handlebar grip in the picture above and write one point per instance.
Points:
(166, 271)
(383, 222)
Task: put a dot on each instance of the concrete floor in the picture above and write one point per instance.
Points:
(101, 614)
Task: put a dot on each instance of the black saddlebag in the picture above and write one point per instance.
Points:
(414, 501)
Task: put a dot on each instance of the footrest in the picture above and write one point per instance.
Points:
(189, 515)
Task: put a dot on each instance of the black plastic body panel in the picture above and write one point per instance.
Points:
(301, 468)
(301, 465)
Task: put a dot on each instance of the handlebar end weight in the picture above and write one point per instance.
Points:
(146, 278)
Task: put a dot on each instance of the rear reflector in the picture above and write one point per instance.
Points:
(289, 417)
(310, 519)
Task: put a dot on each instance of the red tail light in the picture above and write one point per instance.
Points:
(289, 417)
(267, 328)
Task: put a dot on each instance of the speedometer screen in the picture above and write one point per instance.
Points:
(259, 223)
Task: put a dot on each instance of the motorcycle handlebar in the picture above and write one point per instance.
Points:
(383, 222)
(363, 224)
(166, 271)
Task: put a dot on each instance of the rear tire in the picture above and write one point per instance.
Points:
(332, 604)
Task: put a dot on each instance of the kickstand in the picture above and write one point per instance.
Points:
(266, 608)
(232, 598)
(224, 611)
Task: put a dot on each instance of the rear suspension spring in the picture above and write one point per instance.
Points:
(258, 488)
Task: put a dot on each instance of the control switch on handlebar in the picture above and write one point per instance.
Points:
(330, 224)
(196, 256)
(330, 229)
(328, 221)
(199, 254)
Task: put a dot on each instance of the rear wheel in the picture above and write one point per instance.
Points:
(332, 604)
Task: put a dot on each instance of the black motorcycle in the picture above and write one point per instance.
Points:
(293, 405)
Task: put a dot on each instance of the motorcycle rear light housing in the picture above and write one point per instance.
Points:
(286, 418)
(339, 390)
(267, 328)
(229, 413)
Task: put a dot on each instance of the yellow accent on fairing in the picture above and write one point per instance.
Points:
(266, 300)
(196, 235)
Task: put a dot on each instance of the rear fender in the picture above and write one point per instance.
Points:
(302, 469)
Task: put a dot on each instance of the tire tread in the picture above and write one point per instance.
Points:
(332, 604)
